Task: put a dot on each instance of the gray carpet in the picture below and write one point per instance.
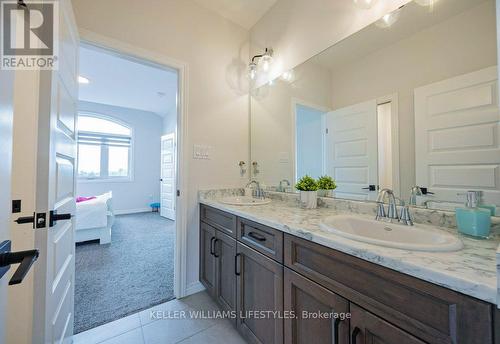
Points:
(134, 272)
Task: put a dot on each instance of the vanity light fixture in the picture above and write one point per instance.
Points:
(83, 80)
(389, 19)
(265, 59)
(365, 4)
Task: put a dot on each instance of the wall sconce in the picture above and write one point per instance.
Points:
(264, 59)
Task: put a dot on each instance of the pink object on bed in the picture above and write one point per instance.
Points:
(83, 199)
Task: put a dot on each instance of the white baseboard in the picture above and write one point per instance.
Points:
(194, 287)
(132, 211)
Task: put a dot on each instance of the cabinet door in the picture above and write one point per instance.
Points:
(319, 313)
(367, 328)
(259, 290)
(225, 286)
(207, 258)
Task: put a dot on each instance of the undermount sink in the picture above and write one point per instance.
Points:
(414, 238)
(245, 200)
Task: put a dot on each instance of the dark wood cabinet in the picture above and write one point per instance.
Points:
(263, 274)
(225, 286)
(367, 328)
(318, 313)
(259, 296)
(207, 258)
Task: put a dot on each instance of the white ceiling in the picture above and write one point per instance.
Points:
(242, 12)
(413, 18)
(123, 82)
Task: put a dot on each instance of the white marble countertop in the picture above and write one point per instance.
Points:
(471, 271)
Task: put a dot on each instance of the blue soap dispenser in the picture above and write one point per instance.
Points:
(472, 220)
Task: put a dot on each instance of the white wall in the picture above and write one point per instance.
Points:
(459, 45)
(298, 29)
(144, 188)
(216, 52)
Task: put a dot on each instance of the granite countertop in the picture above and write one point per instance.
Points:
(471, 271)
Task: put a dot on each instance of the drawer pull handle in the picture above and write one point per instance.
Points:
(335, 333)
(236, 264)
(215, 248)
(354, 335)
(257, 236)
(212, 239)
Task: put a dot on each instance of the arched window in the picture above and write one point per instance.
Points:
(103, 148)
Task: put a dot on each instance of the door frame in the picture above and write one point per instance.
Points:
(133, 52)
(297, 101)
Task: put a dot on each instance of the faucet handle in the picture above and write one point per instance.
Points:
(406, 216)
(380, 211)
(392, 211)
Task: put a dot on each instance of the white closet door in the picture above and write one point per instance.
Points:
(351, 149)
(167, 191)
(456, 136)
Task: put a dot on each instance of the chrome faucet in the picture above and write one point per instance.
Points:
(392, 210)
(257, 192)
(414, 192)
(281, 188)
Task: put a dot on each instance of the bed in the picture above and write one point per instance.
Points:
(94, 219)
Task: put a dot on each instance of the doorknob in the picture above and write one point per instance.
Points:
(370, 188)
(38, 220)
(54, 217)
(26, 258)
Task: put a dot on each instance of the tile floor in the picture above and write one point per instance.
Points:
(145, 327)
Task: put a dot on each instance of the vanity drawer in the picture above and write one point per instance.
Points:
(429, 312)
(219, 219)
(263, 239)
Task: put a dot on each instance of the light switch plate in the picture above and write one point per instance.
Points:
(201, 152)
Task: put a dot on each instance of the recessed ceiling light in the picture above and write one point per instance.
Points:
(83, 80)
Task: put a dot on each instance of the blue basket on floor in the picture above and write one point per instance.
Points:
(155, 207)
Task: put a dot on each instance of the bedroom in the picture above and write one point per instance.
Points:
(125, 229)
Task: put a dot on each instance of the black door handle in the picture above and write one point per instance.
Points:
(354, 335)
(215, 248)
(25, 219)
(26, 258)
(336, 331)
(370, 188)
(54, 217)
(236, 272)
(257, 236)
(212, 245)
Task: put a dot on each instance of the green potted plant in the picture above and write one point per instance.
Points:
(308, 188)
(326, 185)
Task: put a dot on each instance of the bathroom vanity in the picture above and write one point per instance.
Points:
(275, 257)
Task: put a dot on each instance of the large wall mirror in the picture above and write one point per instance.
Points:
(410, 100)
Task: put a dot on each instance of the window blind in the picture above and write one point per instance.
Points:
(104, 139)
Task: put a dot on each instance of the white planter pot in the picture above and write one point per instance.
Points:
(309, 199)
(325, 193)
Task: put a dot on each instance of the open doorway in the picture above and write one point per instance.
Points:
(126, 186)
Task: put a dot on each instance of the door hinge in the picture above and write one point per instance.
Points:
(326, 131)
(178, 193)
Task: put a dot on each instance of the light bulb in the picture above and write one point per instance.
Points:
(252, 71)
(388, 20)
(287, 76)
(364, 4)
(265, 65)
(267, 59)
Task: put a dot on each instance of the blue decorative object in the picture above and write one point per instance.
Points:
(155, 207)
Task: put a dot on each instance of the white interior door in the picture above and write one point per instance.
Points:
(55, 190)
(457, 136)
(351, 149)
(6, 114)
(168, 189)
